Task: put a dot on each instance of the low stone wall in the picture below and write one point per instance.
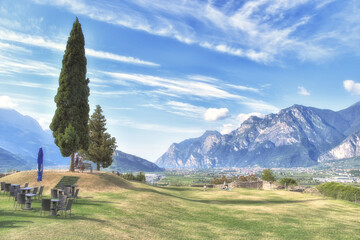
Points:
(236, 184)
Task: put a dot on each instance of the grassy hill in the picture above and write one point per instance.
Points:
(113, 208)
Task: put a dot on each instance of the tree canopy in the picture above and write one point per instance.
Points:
(268, 175)
(70, 121)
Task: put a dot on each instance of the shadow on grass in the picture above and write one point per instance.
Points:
(36, 215)
(13, 224)
(230, 201)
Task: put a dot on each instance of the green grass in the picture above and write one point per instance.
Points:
(145, 212)
(67, 180)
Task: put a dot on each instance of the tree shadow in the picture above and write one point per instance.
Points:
(13, 224)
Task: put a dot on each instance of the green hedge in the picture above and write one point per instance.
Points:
(339, 191)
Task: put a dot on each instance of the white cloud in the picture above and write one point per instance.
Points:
(303, 91)
(7, 102)
(249, 30)
(352, 87)
(243, 88)
(261, 106)
(185, 109)
(242, 117)
(214, 114)
(39, 41)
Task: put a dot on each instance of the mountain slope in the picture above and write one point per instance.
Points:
(10, 161)
(124, 162)
(296, 136)
(22, 136)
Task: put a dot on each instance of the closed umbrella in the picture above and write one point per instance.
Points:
(40, 161)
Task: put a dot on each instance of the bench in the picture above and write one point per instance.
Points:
(84, 166)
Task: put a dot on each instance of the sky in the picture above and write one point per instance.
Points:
(165, 71)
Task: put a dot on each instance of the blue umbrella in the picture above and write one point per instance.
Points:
(40, 161)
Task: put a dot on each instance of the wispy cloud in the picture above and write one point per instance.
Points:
(352, 87)
(243, 88)
(7, 102)
(237, 121)
(303, 91)
(39, 41)
(249, 29)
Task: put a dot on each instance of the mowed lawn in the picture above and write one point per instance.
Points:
(112, 208)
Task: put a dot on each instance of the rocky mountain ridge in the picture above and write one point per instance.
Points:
(296, 136)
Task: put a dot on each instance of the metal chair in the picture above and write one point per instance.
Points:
(68, 207)
(20, 200)
(62, 186)
(54, 193)
(67, 191)
(16, 192)
(40, 192)
(35, 191)
(26, 184)
(62, 203)
(7, 187)
(11, 192)
(75, 196)
(45, 205)
(3, 187)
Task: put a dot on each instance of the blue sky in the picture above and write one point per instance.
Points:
(164, 71)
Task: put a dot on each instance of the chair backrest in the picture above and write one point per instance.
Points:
(12, 191)
(16, 194)
(45, 204)
(62, 186)
(26, 184)
(7, 187)
(35, 190)
(21, 198)
(68, 206)
(67, 190)
(76, 193)
(63, 200)
(41, 190)
(54, 193)
(2, 186)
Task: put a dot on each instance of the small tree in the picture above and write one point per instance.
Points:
(70, 121)
(268, 175)
(141, 177)
(102, 145)
(288, 182)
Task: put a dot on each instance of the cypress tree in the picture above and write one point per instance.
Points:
(102, 145)
(70, 122)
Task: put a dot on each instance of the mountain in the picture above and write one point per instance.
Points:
(22, 136)
(349, 148)
(124, 162)
(296, 136)
(10, 161)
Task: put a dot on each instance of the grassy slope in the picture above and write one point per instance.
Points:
(114, 208)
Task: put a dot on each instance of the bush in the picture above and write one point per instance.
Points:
(129, 176)
(268, 175)
(248, 178)
(222, 180)
(339, 191)
(287, 182)
(140, 177)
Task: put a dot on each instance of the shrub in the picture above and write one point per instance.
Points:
(287, 182)
(339, 191)
(248, 178)
(140, 177)
(268, 175)
(129, 176)
(222, 180)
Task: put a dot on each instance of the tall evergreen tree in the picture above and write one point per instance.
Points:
(102, 145)
(70, 122)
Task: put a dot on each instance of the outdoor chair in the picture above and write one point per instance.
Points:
(54, 193)
(35, 191)
(40, 192)
(62, 203)
(11, 192)
(45, 205)
(3, 187)
(17, 191)
(26, 184)
(20, 200)
(63, 186)
(67, 191)
(68, 207)
(7, 187)
(75, 196)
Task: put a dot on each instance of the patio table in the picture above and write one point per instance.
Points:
(26, 189)
(54, 208)
(28, 201)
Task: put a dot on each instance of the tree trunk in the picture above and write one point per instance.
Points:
(98, 166)
(72, 167)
